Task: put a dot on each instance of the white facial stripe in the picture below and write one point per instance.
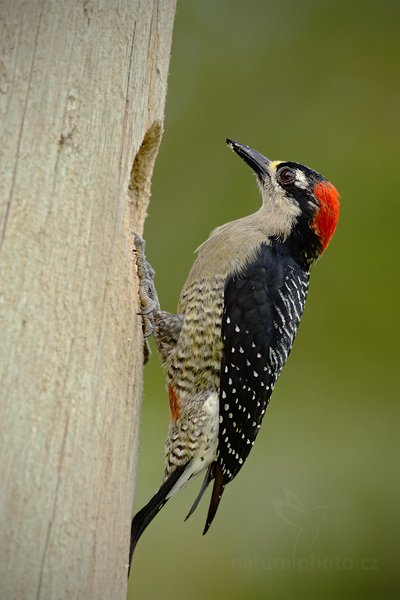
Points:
(279, 210)
(301, 180)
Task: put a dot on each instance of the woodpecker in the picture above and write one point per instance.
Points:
(237, 318)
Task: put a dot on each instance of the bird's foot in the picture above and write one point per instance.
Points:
(147, 292)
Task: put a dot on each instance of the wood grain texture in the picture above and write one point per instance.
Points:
(82, 92)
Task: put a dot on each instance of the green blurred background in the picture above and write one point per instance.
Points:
(315, 512)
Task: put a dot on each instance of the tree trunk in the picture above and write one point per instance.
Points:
(82, 91)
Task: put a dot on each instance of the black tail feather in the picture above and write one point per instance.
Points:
(216, 495)
(207, 479)
(144, 517)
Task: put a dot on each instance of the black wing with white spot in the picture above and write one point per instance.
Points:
(262, 310)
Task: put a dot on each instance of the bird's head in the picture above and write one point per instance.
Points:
(300, 204)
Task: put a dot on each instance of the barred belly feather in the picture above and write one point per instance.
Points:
(193, 371)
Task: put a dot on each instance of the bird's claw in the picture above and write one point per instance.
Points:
(151, 307)
(147, 292)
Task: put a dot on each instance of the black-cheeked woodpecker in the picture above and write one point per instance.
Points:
(238, 314)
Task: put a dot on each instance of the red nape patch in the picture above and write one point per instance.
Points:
(173, 402)
(327, 217)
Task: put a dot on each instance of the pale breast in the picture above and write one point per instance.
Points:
(194, 365)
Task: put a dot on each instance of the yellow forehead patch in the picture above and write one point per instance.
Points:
(274, 164)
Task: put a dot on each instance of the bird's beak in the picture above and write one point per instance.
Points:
(254, 159)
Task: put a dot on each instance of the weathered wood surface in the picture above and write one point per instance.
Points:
(82, 92)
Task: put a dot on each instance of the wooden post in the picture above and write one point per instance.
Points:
(82, 92)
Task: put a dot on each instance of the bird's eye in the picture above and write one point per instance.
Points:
(286, 175)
